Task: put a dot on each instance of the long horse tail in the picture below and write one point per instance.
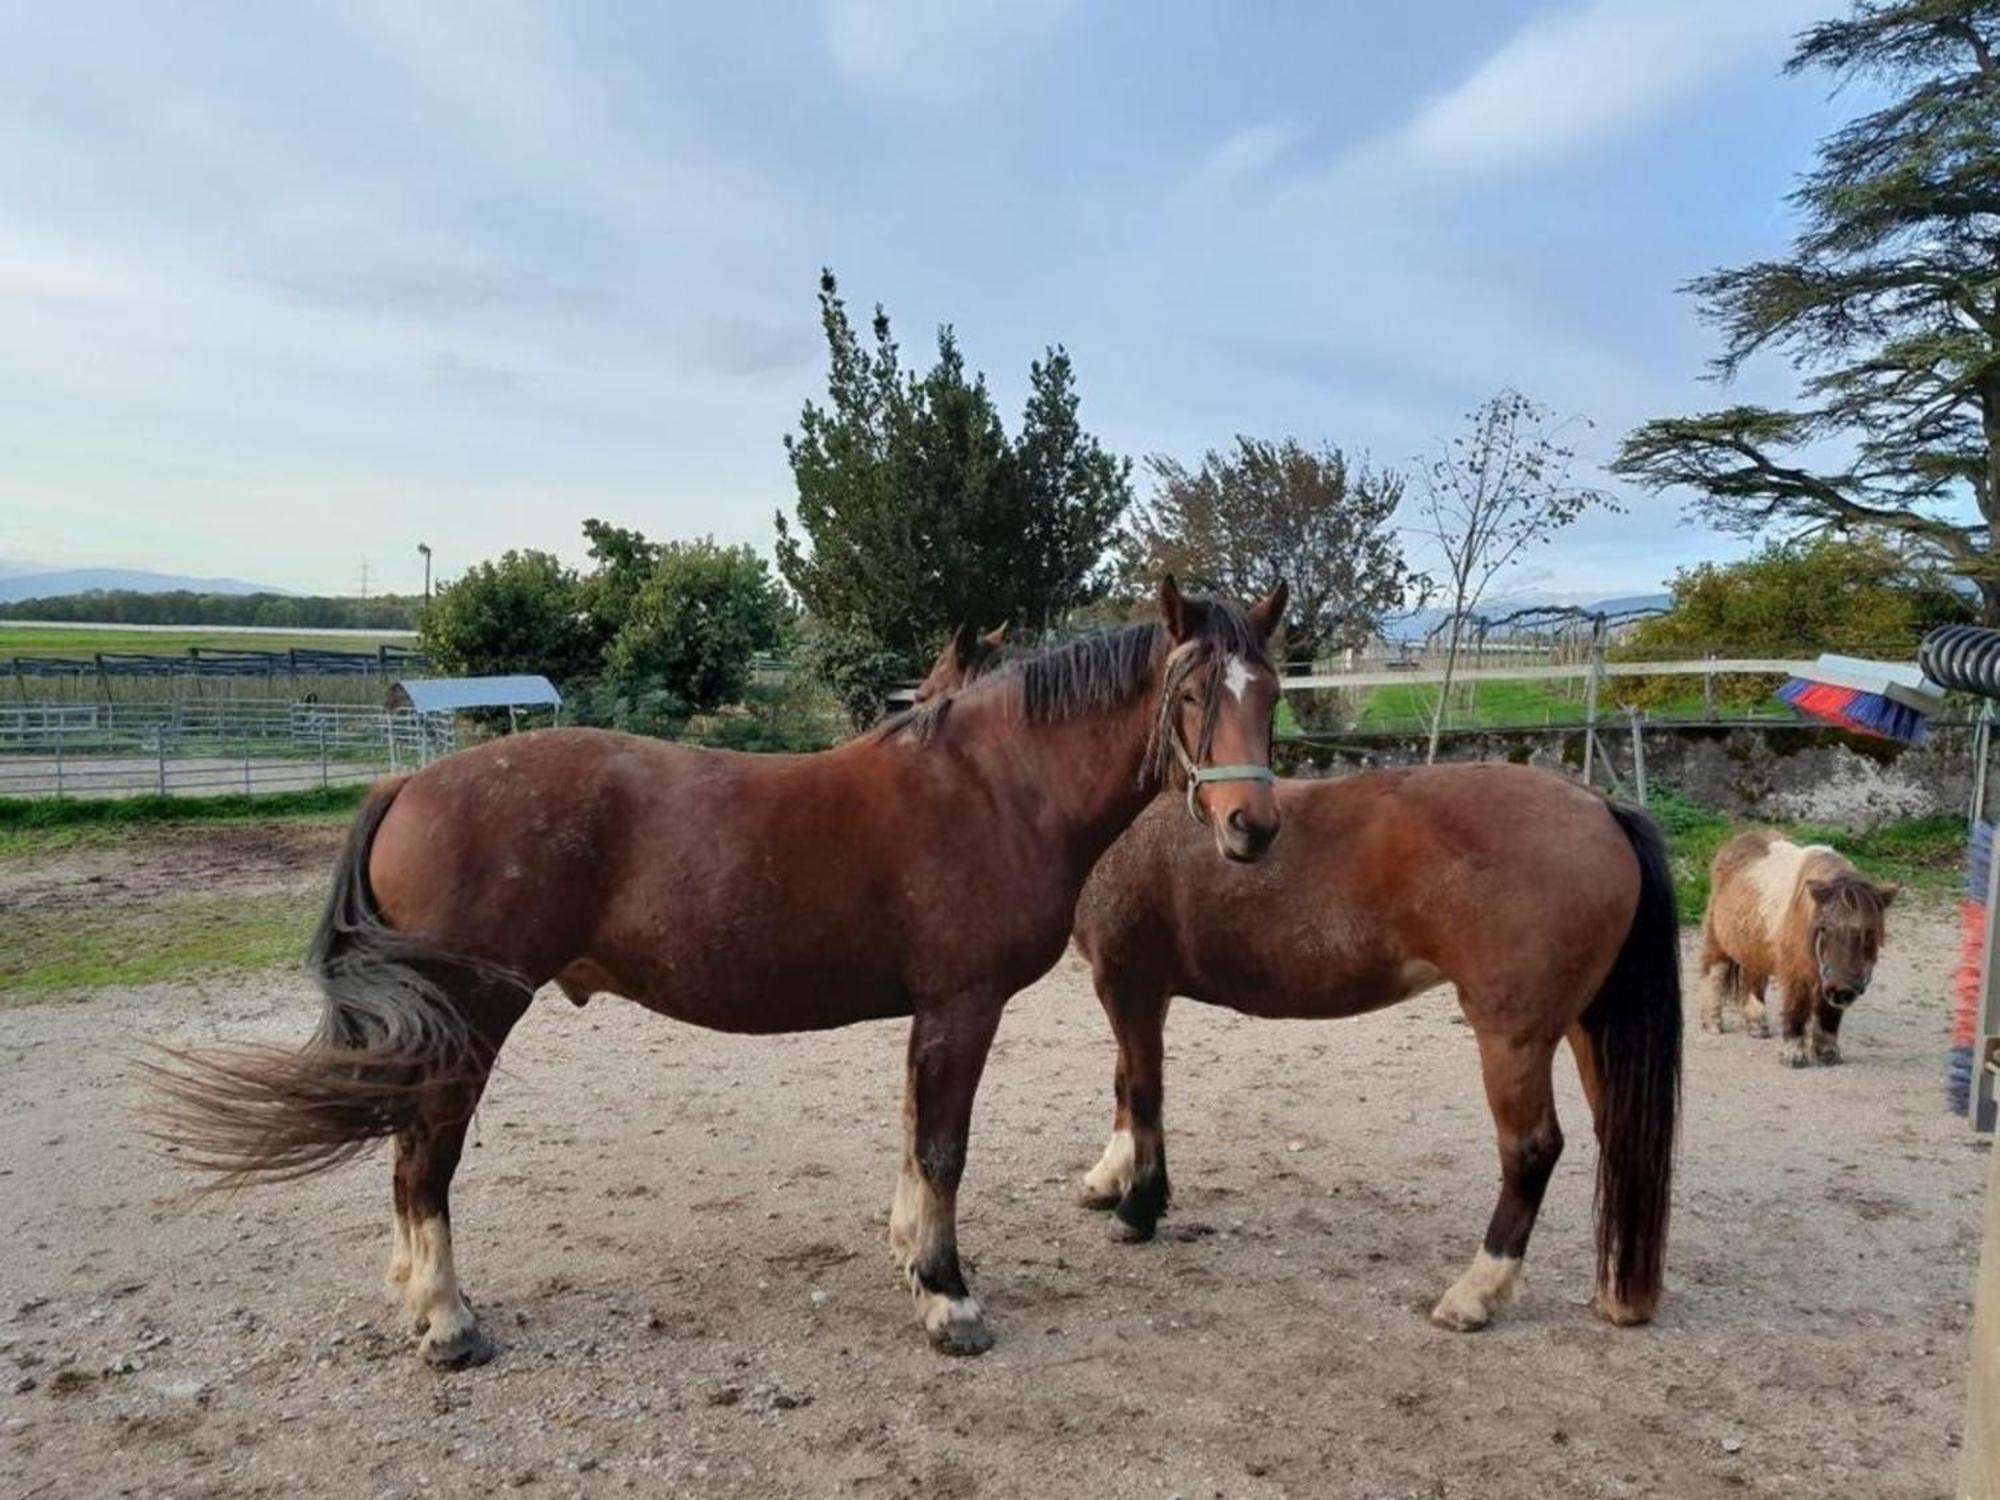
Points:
(391, 1038)
(1634, 1026)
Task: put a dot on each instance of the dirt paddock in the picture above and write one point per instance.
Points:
(679, 1238)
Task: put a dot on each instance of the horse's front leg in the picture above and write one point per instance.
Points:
(1131, 1176)
(1823, 1033)
(948, 1047)
(1798, 1009)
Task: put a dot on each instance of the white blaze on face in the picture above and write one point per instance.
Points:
(1236, 677)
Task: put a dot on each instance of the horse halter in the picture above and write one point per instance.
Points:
(1198, 775)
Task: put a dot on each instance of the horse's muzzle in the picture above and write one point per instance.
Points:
(1839, 998)
(1244, 838)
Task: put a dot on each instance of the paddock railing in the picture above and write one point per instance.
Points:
(197, 749)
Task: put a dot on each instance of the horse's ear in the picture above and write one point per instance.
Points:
(997, 636)
(962, 644)
(1886, 891)
(1268, 613)
(1174, 608)
(1819, 890)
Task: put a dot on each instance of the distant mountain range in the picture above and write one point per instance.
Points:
(24, 581)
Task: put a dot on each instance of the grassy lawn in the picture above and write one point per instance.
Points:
(37, 825)
(65, 952)
(1406, 709)
(54, 950)
(86, 640)
(1500, 704)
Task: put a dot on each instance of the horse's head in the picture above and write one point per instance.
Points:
(966, 657)
(1219, 694)
(1847, 931)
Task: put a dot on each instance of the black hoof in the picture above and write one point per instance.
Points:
(961, 1339)
(1124, 1232)
(460, 1352)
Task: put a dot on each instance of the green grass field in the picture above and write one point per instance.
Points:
(1511, 705)
(86, 640)
(67, 953)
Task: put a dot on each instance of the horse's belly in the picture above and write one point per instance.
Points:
(1315, 1000)
(755, 996)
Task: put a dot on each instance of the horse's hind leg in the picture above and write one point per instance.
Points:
(1717, 976)
(1750, 989)
(948, 1047)
(427, 1155)
(1521, 1094)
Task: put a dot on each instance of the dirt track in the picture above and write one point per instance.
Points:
(679, 1237)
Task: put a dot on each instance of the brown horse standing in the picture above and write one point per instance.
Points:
(930, 869)
(1551, 910)
(1799, 914)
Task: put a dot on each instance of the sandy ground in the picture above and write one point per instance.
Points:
(680, 1239)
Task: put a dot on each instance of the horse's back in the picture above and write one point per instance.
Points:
(1754, 883)
(1380, 883)
(538, 848)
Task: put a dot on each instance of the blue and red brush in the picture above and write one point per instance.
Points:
(1868, 697)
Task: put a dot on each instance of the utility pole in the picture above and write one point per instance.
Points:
(424, 548)
(364, 578)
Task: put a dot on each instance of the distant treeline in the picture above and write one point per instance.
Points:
(183, 607)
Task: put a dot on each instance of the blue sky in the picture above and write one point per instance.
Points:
(287, 288)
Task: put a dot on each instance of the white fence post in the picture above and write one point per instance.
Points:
(1638, 756)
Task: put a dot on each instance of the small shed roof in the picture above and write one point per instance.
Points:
(443, 695)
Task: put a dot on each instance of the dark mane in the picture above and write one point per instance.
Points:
(1106, 669)
(920, 721)
(1094, 672)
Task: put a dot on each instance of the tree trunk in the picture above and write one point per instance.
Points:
(1444, 695)
(1989, 493)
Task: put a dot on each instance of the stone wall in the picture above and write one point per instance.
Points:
(1792, 773)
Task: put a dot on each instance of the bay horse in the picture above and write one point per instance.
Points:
(929, 868)
(1550, 908)
(1799, 914)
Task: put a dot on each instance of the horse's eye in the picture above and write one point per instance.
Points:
(1188, 697)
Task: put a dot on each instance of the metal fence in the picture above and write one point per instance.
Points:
(196, 749)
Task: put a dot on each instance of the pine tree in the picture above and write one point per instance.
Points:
(1889, 305)
(915, 509)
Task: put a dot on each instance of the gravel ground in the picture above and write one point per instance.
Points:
(679, 1238)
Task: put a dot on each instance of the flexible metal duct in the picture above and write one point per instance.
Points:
(1963, 658)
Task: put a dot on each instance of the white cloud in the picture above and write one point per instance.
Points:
(925, 52)
(1249, 151)
(1575, 77)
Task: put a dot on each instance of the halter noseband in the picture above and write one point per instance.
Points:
(1200, 775)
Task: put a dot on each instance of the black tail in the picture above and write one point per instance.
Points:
(390, 1036)
(1634, 1026)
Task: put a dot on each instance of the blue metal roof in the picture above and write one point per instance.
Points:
(443, 695)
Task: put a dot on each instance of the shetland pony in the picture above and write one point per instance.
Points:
(929, 869)
(1801, 915)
